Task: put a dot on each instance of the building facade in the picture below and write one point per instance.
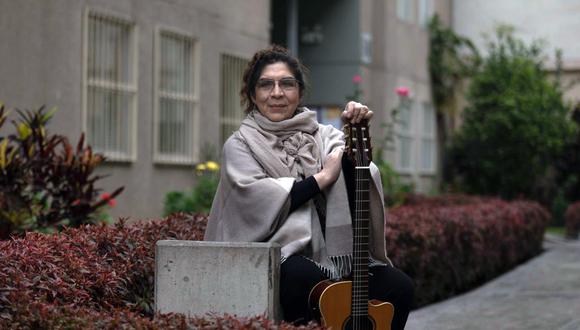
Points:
(366, 49)
(155, 84)
(150, 82)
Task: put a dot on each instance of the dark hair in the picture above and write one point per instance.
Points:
(270, 55)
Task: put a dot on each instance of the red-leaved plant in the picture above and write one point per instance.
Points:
(572, 217)
(45, 182)
(99, 276)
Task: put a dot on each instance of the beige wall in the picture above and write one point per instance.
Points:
(400, 53)
(42, 64)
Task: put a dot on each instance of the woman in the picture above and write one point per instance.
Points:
(282, 181)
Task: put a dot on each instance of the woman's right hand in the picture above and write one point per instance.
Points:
(332, 167)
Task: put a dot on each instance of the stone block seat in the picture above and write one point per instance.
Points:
(195, 278)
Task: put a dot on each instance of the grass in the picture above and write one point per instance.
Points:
(560, 231)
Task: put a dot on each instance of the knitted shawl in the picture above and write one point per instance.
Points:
(260, 163)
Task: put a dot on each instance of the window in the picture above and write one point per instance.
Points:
(366, 55)
(405, 9)
(417, 139)
(405, 139)
(176, 101)
(428, 139)
(232, 114)
(425, 12)
(109, 86)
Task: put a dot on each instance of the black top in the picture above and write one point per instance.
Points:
(303, 191)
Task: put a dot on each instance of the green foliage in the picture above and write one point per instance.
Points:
(200, 198)
(46, 183)
(394, 190)
(568, 165)
(451, 59)
(515, 125)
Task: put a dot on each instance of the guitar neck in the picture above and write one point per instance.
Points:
(360, 242)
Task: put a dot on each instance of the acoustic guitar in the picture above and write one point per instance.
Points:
(345, 304)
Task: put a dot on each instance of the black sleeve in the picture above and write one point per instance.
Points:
(303, 191)
(348, 170)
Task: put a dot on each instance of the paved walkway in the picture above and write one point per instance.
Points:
(543, 293)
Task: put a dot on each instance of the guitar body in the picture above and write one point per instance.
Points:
(331, 303)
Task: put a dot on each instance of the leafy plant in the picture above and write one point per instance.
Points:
(200, 198)
(394, 189)
(45, 182)
(573, 220)
(451, 244)
(515, 125)
(452, 58)
(98, 276)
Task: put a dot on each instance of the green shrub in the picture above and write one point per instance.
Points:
(572, 216)
(515, 125)
(394, 190)
(200, 198)
(45, 182)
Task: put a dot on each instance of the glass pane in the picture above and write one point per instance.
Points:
(109, 51)
(176, 65)
(108, 120)
(405, 116)
(405, 152)
(175, 134)
(428, 119)
(427, 154)
(425, 11)
(232, 114)
(401, 9)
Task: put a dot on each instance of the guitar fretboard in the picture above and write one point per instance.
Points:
(360, 243)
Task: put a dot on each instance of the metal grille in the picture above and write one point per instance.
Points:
(232, 114)
(176, 99)
(110, 86)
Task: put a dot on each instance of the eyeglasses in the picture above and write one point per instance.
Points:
(286, 84)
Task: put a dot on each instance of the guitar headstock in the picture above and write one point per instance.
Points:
(358, 143)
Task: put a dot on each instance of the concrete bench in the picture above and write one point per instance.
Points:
(196, 278)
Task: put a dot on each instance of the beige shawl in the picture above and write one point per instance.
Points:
(261, 161)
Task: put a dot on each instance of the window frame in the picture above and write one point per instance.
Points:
(408, 134)
(425, 12)
(132, 87)
(230, 121)
(406, 10)
(193, 98)
(431, 137)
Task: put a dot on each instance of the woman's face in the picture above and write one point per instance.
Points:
(277, 92)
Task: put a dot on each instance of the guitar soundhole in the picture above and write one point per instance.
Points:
(359, 323)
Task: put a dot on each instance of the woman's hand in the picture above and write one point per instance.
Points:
(354, 112)
(332, 167)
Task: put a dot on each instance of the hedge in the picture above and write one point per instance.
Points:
(572, 217)
(449, 249)
(101, 276)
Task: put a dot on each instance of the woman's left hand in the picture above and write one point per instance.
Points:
(354, 112)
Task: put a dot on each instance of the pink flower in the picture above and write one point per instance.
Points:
(112, 202)
(402, 91)
(356, 79)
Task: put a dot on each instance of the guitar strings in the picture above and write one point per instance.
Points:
(359, 292)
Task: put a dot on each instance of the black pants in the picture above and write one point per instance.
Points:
(299, 275)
